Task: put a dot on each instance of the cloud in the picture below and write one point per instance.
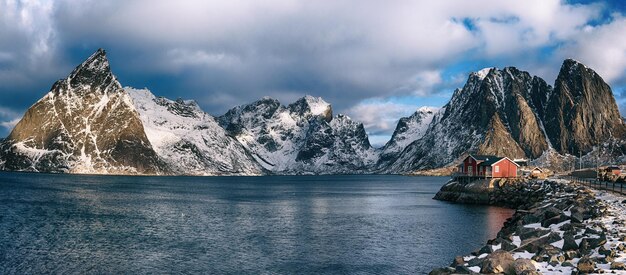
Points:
(224, 53)
(603, 48)
(8, 119)
(380, 117)
(8, 125)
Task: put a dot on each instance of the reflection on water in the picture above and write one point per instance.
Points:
(326, 224)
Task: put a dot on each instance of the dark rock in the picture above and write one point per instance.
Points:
(606, 252)
(569, 243)
(552, 220)
(551, 212)
(527, 233)
(485, 249)
(507, 245)
(458, 260)
(463, 270)
(475, 262)
(577, 215)
(442, 271)
(567, 264)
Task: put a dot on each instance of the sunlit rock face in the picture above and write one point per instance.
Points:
(85, 124)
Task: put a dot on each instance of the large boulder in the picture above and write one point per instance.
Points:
(499, 261)
(524, 265)
(586, 265)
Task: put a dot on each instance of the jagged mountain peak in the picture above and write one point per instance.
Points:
(309, 106)
(481, 74)
(95, 71)
(427, 109)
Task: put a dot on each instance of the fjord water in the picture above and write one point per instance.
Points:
(282, 224)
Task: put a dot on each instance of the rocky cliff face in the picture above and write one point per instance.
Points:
(492, 114)
(408, 130)
(189, 140)
(300, 138)
(85, 124)
(581, 112)
(511, 113)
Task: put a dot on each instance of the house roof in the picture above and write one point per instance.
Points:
(490, 161)
(483, 157)
(495, 160)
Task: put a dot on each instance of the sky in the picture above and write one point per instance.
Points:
(375, 61)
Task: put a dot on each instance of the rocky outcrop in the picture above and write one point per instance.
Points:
(408, 130)
(581, 112)
(85, 124)
(564, 229)
(492, 113)
(508, 112)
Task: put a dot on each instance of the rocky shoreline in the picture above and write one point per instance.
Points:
(558, 228)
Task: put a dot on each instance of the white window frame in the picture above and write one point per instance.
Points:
(497, 169)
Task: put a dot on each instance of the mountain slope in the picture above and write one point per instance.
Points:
(511, 113)
(300, 138)
(491, 114)
(189, 140)
(581, 112)
(85, 124)
(408, 130)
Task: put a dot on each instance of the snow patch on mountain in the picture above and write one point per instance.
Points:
(408, 130)
(189, 140)
(300, 138)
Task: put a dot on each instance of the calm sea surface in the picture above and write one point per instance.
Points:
(234, 225)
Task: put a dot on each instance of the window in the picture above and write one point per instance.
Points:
(497, 169)
(469, 170)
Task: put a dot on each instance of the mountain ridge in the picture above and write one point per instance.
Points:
(88, 123)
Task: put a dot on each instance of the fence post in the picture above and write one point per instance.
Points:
(613, 186)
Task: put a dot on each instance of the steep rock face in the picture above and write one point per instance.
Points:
(408, 130)
(85, 124)
(300, 138)
(189, 140)
(581, 112)
(492, 114)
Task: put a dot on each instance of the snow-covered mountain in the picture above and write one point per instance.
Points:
(88, 123)
(85, 124)
(301, 138)
(408, 130)
(508, 112)
(189, 140)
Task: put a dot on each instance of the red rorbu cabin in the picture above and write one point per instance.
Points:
(488, 167)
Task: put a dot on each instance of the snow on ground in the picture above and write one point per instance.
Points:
(614, 221)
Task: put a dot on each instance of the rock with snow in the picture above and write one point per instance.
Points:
(189, 140)
(491, 114)
(301, 138)
(510, 113)
(85, 124)
(408, 130)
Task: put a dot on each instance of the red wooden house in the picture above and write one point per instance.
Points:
(488, 167)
